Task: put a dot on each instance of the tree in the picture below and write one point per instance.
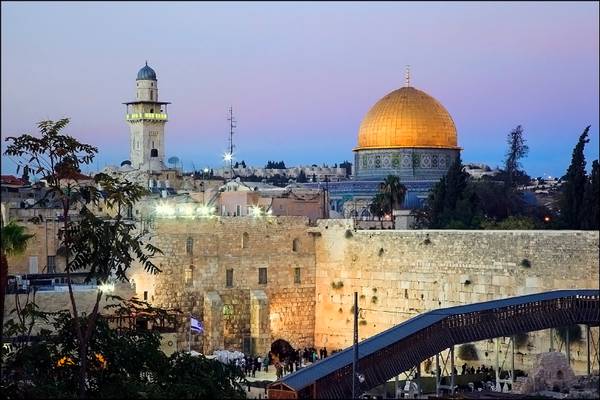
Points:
(243, 164)
(571, 200)
(301, 177)
(102, 247)
(392, 196)
(453, 203)
(14, 242)
(124, 363)
(517, 149)
(590, 216)
(378, 207)
(348, 166)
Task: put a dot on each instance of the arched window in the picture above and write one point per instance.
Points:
(151, 95)
(296, 245)
(245, 238)
(189, 246)
(153, 153)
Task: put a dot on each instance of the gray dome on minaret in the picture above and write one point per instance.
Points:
(146, 74)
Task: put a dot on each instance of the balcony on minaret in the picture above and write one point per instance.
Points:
(146, 116)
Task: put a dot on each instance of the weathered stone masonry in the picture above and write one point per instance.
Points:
(249, 313)
(398, 275)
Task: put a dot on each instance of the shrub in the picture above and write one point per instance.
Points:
(525, 263)
(340, 310)
(381, 251)
(374, 290)
(521, 339)
(467, 282)
(468, 352)
(337, 285)
(348, 234)
(374, 299)
(574, 333)
(363, 322)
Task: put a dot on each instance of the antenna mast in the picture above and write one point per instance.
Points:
(232, 125)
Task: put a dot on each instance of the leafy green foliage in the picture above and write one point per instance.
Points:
(590, 215)
(301, 177)
(573, 189)
(275, 165)
(103, 247)
(121, 364)
(517, 149)
(468, 352)
(574, 333)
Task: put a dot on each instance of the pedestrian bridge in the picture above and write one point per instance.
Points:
(398, 349)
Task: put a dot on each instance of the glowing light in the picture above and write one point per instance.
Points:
(206, 170)
(164, 209)
(185, 210)
(227, 157)
(205, 211)
(547, 218)
(256, 211)
(107, 287)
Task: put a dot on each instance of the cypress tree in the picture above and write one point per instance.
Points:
(590, 216)
(571, 201)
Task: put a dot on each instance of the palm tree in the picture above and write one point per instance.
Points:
(14, 243)
(393, 193)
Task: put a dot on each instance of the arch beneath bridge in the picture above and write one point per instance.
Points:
(397, 349)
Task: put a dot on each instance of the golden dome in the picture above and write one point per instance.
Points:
(407, 117)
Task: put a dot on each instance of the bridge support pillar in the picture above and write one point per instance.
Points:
(551, 339)
(437, 374)
(568, 346)
(589, 359)
(452, 369)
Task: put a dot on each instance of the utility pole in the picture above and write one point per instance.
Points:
(355, 346)
(232, 125)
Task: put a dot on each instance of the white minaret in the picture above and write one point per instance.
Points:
(146, 117)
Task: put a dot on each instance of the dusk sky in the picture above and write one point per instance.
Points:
(301, 76)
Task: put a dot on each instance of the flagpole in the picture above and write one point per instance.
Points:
(190, 336)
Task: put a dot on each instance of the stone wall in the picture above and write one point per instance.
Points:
(197, 255)
(399, 274)
(44, 243)
(58, 300)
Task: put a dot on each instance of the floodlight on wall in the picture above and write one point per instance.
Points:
(163, 209)
(106, 287)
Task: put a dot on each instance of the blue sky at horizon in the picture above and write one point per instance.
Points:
(301, 76)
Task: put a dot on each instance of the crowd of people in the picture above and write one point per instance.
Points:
(285, 362)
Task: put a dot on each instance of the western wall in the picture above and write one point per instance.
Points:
(312, 272)
(399, 274)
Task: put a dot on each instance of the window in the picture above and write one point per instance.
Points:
(262, 276)
(296, 245)
(229, 278)
(297, 275)
(245, 238)
(51, 264)
(33, 265)
(189, 275)
(145, 295)
(238, 210)
(151, 95)
(189, 246)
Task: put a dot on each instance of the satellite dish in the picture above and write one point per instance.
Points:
(126, 162)
(173, 160)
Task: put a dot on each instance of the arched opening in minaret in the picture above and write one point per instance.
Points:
(153, 153)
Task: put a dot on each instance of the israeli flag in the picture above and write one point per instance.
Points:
(196, 325)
